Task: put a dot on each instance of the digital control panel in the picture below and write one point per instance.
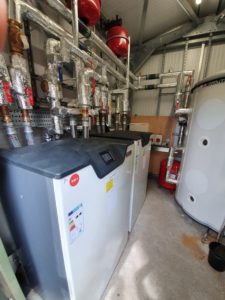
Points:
(107, 157)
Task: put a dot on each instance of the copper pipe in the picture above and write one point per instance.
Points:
(15, 41)
(25, 115)
(27, 128)
(5, 114)
(85, 112)
(85, 122)
(9, 128)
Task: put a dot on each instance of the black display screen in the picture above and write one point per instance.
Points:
(107, 157)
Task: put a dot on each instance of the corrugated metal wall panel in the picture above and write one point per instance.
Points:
(166, 105)
(193, 57)
(145, 103)
(174, 62)
(153, 65)
(217, 59)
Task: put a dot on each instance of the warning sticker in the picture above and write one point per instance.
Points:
(76, 222)
(109, 185)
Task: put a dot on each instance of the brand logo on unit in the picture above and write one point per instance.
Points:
(74, 180)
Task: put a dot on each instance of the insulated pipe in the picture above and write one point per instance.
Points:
(53, 28)
(54, 89)
(84, 85)
(75, 22)
(164, 75)
(183, 111)
(115, 73)
(128, 65)
(158, 86)
(57, 4)
(84, 95)
(188, 90)
(178, 95)
(109, 116)
(117, 115)
(169, 166)
(167, 85)
(21, 77)
(182, 121)
(10, 9)
(125, 110)
(104, 102)
(181, 134)
(73, 127)
(5, 101)
(28, 131)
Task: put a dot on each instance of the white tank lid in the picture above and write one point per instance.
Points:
(211, 79)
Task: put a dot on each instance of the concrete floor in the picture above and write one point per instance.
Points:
(164, 258)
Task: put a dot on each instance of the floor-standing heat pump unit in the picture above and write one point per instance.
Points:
(142, 147)
(68, 205)
(201, 184)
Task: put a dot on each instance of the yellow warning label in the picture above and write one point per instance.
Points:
(109, 185)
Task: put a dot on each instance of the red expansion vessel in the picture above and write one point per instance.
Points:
(174, 174)
(117, 40)
(89, 11)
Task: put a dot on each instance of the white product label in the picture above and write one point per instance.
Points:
(76, 222)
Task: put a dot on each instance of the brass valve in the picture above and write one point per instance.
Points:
(15, 41)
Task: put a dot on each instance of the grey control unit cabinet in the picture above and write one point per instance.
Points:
(68, 206)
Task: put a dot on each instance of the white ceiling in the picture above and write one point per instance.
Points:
(162, 15)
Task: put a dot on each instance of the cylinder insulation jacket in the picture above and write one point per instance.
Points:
(201, 188)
